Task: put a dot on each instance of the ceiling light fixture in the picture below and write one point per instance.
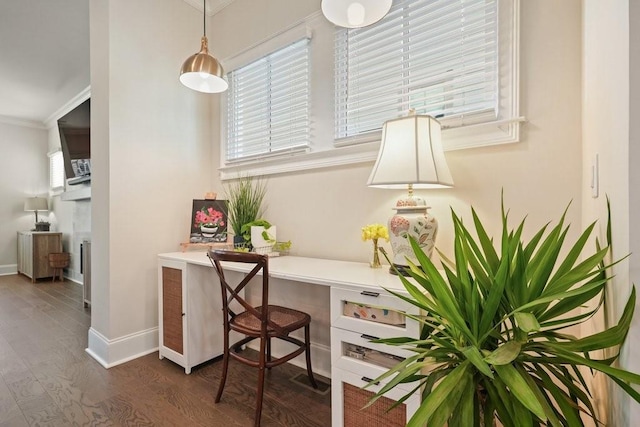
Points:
(355, 13)
(201, 71)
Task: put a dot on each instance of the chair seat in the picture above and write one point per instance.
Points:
(286, 318)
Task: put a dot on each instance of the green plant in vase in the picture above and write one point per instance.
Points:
(245, 197)
(493, 342)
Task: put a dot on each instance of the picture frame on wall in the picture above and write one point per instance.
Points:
(209, 219)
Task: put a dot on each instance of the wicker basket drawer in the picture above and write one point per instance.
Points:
(349, 399)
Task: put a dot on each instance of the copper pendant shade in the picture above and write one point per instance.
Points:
(201, 71)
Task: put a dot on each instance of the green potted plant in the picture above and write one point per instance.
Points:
(493, 342)
(245, 197)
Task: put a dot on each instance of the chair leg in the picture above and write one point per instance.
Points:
(260, 390)
(225, 366)
(307, 343)
(269, 351)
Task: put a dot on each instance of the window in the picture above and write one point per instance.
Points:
(437, 58)
(268, 105)
(56, 171)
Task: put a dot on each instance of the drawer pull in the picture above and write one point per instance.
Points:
(368, 337)
(370, 294)
(368, 380)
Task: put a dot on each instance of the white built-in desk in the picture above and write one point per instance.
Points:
(190, 312)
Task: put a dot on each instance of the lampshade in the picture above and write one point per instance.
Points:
(411, 153)
(33, 204)
(355, 13)
(201, 71)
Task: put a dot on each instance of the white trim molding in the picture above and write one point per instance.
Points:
(113, 352)
(8, 269)
(70, 105)
(14, 121)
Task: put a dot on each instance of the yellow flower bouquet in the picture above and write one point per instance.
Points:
(375, 232)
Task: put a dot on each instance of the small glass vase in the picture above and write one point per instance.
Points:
(375, 263)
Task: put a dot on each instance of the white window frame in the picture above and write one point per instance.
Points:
(325, 151)
(56, 156)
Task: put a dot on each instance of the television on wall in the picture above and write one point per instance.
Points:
(75, 140)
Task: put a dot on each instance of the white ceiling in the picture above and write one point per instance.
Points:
(44, 55)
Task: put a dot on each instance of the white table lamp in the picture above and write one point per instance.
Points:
(35, 204)
(411, 156)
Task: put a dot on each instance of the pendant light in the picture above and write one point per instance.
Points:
(201, 71)
(355, 13)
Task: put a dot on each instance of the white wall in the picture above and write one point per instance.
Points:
(322, 211)
(151, 156)
(632, 361)
(24, 172)
(606, 129)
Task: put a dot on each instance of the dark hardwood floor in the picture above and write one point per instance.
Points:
(47, 378)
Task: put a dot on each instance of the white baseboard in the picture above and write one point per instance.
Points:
(71, 279)
(6, 270)
(112, 352)
(320, 356)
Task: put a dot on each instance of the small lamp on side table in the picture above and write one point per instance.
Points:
(411, 156)
(35, 204)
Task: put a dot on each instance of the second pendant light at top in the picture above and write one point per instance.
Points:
(355, 13)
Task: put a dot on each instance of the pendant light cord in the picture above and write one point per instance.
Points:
(204, 17)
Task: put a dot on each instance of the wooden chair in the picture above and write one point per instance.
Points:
(257, 322)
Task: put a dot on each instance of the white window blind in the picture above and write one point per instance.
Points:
(437, 57)
(56, 171)
(268, 105)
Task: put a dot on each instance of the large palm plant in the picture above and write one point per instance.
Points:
(492, 342)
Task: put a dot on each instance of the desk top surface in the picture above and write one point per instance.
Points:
(307, 270)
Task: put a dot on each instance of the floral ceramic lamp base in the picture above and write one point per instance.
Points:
(411, 219)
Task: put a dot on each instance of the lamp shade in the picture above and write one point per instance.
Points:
(355, 13)
(202, 72)
(33, 204)
(411, 153)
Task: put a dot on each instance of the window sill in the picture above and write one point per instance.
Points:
(297, 162)
(476, 135)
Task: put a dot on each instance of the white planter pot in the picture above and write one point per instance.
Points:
(258, 241)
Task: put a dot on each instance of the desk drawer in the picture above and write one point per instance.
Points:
(372, 311)
(353, 352)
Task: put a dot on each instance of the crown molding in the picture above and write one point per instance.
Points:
(70, 105)
(213, 6)
(22, 122)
